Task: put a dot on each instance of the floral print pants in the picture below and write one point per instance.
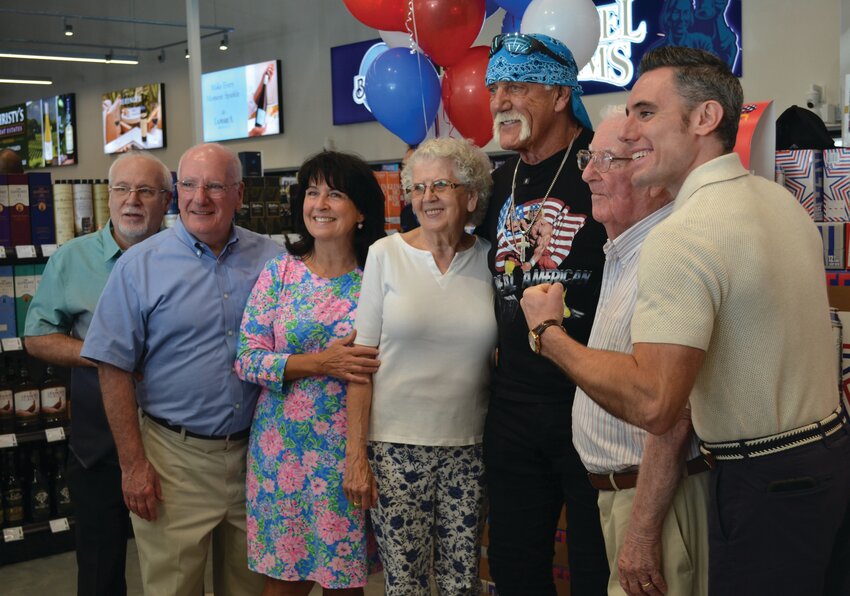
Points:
(430, 514)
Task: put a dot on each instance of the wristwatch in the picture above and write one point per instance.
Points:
(535, 334)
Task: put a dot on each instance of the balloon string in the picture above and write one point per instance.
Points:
(412, 17)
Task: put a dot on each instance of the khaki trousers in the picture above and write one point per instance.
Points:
(203, 499)
(684, 536)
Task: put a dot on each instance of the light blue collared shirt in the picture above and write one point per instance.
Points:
(171, 310)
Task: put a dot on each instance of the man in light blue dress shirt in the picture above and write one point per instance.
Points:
(164, 336)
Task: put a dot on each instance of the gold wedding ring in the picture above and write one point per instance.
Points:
(646, 585)
(356, 503)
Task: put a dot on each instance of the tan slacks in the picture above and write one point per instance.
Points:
(684, 536)
(203, 499)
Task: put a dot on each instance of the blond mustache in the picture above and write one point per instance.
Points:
(499, 118)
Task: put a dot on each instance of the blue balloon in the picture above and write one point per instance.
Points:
(403, 91)
(490, 7)
(516, 7)
(511, 23)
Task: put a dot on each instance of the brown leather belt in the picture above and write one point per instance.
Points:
(626, 480)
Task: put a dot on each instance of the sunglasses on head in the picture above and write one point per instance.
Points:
(520, 44)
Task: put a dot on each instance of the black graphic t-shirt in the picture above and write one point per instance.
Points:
(562, 243)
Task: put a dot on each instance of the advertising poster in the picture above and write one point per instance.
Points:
(630, 28)
(13, 129)
(134, 118)
(242, 102)
(349, 64)
(35, 140)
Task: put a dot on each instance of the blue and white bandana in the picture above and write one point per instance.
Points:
(538, 67)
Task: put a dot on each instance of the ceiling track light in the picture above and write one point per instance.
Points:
(224, 43)
(187, 53)
(161, 56)
(109, 57)
(69, 28)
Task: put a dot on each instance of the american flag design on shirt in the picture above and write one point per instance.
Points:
(550, 238)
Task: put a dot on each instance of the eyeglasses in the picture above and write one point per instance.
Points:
(520, 44)
(601, 159)
(437, 187)
(143, 192)
(215, 190)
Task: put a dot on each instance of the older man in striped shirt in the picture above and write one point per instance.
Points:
(655, 522)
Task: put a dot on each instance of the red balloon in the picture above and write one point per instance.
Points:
(466, 98)
(384, 15)
(446, 28)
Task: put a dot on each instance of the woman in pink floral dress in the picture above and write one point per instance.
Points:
(297, 343)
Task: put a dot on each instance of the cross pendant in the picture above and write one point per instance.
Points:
(521, 246)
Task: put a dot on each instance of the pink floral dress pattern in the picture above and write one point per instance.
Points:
(300, 525)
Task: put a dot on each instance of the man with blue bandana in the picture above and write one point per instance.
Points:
(541, 229)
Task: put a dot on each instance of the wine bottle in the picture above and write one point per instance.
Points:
(262, 103)
(13, 494)
(63, 210)
(54, 400)
(47, 140)
(39, 494)
(143, 124)
(61, 493)
(7, 404)
(83, 207)
(69, 138)
(25, 395)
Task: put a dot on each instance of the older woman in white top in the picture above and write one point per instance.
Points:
(414, 433)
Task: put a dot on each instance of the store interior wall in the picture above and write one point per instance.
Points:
(788, 46)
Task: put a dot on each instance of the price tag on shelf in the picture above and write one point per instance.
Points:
(2, 252)
(13, 534)
(12, 344)
(55, 434)
(48, 249)
(26, 251)
(9, 440)
(59, 525)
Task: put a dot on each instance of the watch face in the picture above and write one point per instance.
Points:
(534, 342)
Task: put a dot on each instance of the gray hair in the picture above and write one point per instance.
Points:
(163, 173)
(471, 166)
(234, 166)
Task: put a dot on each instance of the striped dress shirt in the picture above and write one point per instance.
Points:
(604, 442)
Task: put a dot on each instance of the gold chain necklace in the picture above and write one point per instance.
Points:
(519, 248)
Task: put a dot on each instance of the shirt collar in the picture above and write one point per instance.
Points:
(629, 242)
(199, 247)
(111, 250)
(720, 169)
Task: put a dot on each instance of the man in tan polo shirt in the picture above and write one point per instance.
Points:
(756, 361)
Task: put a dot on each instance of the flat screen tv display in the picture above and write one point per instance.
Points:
(134, 118)
(242, 102)
(41, 131)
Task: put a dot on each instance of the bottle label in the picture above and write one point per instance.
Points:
(53, 400)
(26, 403)
(40, 500)
(6, 403)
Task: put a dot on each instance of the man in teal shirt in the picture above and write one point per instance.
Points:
(57, 322)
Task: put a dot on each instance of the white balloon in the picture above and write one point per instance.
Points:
(399, 39)
(573, 22)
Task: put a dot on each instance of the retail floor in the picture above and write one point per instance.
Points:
(57, 576)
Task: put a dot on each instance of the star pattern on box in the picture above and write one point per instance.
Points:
(800, 171)
(836, 185)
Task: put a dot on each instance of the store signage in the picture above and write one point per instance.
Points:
(242, 102)
(630, 28)
(134, 118)
(349, 64)
(13, 129)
